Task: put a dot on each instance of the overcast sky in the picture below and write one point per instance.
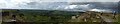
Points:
(50, 4)
(12, 4)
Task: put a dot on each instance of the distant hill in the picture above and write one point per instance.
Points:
(51, 12)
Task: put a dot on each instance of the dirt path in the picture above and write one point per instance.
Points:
(107, 19)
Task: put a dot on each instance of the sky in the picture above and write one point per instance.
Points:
(11, 4)
(50, 4)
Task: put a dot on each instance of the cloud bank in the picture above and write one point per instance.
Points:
(58, 4)
(11, 4)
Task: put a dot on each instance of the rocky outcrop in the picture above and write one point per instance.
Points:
(94, 17)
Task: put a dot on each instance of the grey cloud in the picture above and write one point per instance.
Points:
(62, 5)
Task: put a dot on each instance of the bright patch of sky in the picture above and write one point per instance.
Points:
(100, 10)
(70, 7)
